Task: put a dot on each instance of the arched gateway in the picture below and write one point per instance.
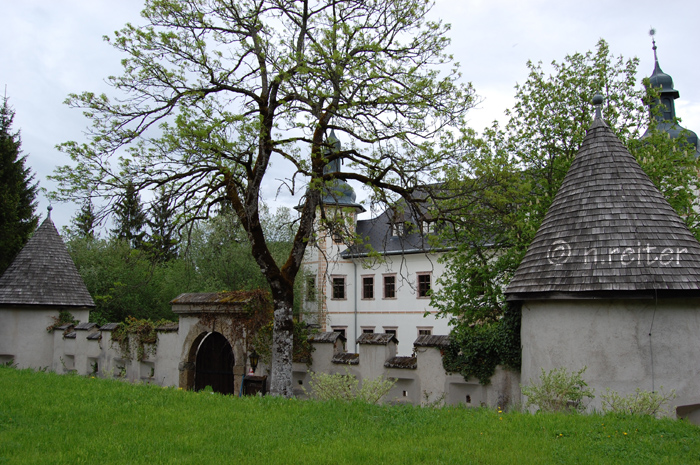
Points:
(214, 364)
(212, 331)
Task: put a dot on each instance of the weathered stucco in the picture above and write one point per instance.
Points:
(625, 344)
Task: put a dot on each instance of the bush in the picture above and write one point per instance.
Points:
(639, 402)
(559, 390)
(345, 387)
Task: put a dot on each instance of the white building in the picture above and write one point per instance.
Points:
(380, 286)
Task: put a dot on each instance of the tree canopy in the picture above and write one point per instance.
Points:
(213, 92)
(17, 191)
(519, 168)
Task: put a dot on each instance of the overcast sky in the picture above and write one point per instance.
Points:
(50, 48)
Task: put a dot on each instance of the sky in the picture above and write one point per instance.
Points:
(49, 49)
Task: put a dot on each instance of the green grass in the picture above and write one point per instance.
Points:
(48, 418)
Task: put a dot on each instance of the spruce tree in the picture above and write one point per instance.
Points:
(130, 218)
(83, 223)
(162, 242)
(18, 204)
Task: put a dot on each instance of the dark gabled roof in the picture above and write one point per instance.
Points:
(378, 236)
(377, 339)
(329, 337)
(407, 363)
(609, 233)
(346, 359)
(432, 340)
(43, 273)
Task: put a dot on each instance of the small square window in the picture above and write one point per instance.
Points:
(398, 229)
(390, 287)
(368, 287)
(391, 330)
(425, 331)
(424, 285)
(367, 330)
(339, 287)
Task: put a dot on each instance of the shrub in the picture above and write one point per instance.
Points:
(639, 402)
(345, 387)
(559, 390)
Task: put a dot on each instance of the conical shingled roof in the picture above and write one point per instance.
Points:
(609, 233)
(43, 273)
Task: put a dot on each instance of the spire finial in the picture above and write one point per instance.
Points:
(598, 102)
(652, 33)
(49, 208)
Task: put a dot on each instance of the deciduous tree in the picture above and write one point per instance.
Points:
(215, 91)
(514, 172)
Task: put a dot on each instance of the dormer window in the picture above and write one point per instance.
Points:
(397, 229)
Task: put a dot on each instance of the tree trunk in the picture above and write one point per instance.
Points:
(282, 345)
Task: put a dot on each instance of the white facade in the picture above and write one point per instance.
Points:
(354, 295)
(625, 345)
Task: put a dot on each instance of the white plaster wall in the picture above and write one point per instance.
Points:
(405, 312)
(625, 344)
(23, 337)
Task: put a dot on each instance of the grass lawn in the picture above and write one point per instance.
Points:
(49, 418)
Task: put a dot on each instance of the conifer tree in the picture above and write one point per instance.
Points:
(83, 223)
(162, 242)
(130, 218)
(17, 191)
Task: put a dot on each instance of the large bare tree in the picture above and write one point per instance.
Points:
(214, 91)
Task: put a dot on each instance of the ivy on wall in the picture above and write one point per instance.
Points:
(476, 350)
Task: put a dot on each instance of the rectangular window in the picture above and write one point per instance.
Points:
(398, 229)
(425, 330)
(368, 330)
(368, 287)
(424, 285)
(338, 287)
(311, 288)
(391, 330)
(340, 329)
(390, 286)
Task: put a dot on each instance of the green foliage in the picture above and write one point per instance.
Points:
(640, 402)
(143, 332)
(344, 387)
(213, 93)
(17, 192)
(162, 242)
(83, 223)
(130, 218)
(512, 173)
(124, 282)
(64, 317)
(146, 424)
(475, 351)
(559, 391)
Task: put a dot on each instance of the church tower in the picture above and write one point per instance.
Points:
(667, 94)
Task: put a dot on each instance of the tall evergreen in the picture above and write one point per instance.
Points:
(18, 203)
(83, 223)
(163, 239)
(130, 219)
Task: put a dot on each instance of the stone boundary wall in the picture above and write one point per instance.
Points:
(88, 350)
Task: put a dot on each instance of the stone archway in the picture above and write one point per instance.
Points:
(214, 364)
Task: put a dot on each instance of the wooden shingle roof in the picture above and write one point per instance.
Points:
(43, 273)
(609, 233)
